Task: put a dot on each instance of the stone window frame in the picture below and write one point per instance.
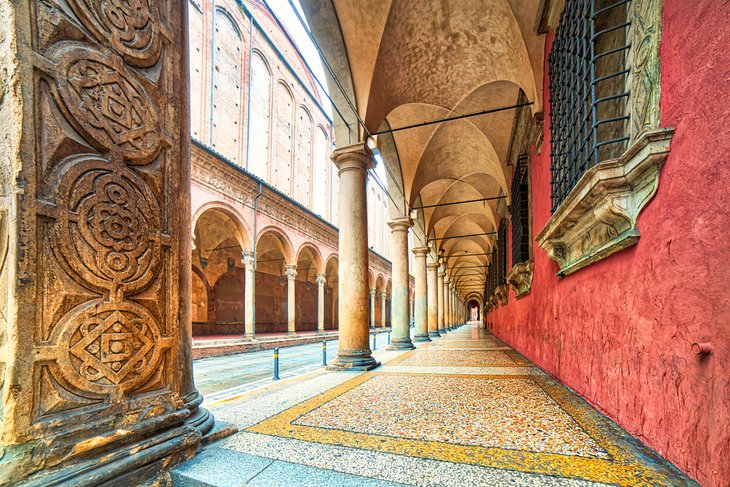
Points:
(599, 216)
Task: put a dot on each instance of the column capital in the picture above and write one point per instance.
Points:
(400, 224)
(373, 292)
(353, 157)
(432, 265)
(441, 271)
(384, 295)
(447, 279)
(420, 251)
(248, 260)
(291, 271)
(321, 278)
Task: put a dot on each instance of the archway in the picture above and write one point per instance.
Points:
(331, 314)
(474, 310)
(217, 295)
(273, 254)
(309, 264)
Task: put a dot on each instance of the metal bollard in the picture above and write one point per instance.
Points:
(388, 338)
(324, 353)
(276, 363)
(375, 341)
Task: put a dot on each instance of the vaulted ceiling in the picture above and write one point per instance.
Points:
(404, 62)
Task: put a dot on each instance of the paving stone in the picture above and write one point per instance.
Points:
(291, 474)
(218, 467)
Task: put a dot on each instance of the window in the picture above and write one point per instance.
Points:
(502, 252)
(520, 213)
(589, 92)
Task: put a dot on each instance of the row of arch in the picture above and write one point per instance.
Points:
(222, 254)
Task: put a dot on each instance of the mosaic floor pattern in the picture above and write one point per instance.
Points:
(495, 428)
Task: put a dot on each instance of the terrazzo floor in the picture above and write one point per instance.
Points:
(464, 409)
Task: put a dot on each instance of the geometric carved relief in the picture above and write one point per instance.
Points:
(129, 27)
(106, 101)
(107, 224)
(112, 348)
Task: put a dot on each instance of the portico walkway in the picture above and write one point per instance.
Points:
(464, 409)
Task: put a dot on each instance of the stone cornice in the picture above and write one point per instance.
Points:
(599, 217)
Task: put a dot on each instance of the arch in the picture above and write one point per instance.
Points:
(286, 247)
(243, 232)
(227, 87)
(331, 296)
(199, 296)
(315, 253)
(283, 135)
(303, 156)
(380, 283)
(319, 172)
(371, 279)
(227, 302)
(260, 118)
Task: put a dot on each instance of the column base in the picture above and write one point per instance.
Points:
(421, 337)
(353, 360)
(200, 418)
(291, 333)
(434, 334)
(401, 344)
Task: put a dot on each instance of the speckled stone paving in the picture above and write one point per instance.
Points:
(469, 411)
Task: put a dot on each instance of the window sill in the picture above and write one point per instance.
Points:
(599, 216)
(520, 278)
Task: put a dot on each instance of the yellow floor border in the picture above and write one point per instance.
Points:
(624, 467)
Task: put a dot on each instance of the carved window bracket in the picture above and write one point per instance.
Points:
(520, 278)
(599, 217)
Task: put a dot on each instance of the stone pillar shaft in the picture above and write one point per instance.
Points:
(383, 313)
(399, 300)
(433, 305)
(249, 295)
(420, 315)
(291, 305)
(321, 281)
(353, 163)
(447, 302)
(372, 308)
(440, 283)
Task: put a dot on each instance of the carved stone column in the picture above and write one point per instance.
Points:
(291, 305)
(441, 301)
(321, 281)
(249, 296)
(399, 302)
(372, 307)
(433, 305)
(420, 314)
(95, 359)
(353, 163)
(383, 313)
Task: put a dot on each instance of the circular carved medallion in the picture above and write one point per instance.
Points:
(110, 346)
(129, 27)
(107, 102)
(108, 223)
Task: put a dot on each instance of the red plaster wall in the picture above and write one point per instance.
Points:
(619, 332)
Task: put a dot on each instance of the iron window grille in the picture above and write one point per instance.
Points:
(491, 285)
(502, 253)
(520, 213)
(589, 90)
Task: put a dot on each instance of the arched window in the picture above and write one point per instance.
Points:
(195, 29)
(260, 120)
(303, 173)
(319, 173)
(227, 89)
(284, 116)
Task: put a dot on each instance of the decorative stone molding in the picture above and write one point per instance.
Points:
(502, 293)
(520, 278)
(599, 217)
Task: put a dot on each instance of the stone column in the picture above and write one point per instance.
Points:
(447, 302)
(383, 313)
(420, 314)
(353, 163)
(441, 301)
(399, 299)
(95, 243)
(291, 305)
(249, 294)
(372, 307)
(321, 281)
(433, 305)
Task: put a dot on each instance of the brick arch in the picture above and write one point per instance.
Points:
(243, 231)
(287, 248)
(318, 261)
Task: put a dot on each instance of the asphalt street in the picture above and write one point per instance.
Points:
(221, 378)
